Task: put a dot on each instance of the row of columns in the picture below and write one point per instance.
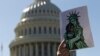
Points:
(33, 49)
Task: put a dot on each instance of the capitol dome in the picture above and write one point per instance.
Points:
(38, 32)
(40, 8)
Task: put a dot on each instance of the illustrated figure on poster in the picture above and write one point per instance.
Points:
(74, 33)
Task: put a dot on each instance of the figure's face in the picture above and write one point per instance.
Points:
(73, 20)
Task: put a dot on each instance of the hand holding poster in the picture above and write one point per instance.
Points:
(75, 28)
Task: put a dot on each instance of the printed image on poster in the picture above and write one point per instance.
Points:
(75, 28)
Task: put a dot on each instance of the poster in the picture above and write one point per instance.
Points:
(75, 28)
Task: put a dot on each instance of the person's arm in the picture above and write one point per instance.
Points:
(78, 36)
(62, 50)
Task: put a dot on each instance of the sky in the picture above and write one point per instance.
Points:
(11, 10)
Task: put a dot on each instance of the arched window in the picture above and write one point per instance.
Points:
(45, 30)
(34, 30)
(40, 30)
(55, 31)
(50, 30)
(30, 31)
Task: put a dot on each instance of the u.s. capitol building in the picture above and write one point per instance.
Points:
(38, 32)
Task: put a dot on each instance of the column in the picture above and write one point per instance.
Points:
(42, 49)
(34, 52)
(11, 52)
(36, 46)
(16, 51)
(19, 50)
(54, 49)
(31, 49)
(24, 50)
(48, 47)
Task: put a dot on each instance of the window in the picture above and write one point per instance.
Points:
(40, 30)
(21, 32)
(30, 31)
(55, 12)
(50, 30)
(51, 11)
(34, 30)
(35, 11)
(55, 31)
(25, 31)
(47, 11)
(58, 30)
(43, 11)
(29, 12)
(32, 11)
(45, 30)
(39, 11)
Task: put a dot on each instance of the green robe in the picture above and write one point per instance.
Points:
(75, 38)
